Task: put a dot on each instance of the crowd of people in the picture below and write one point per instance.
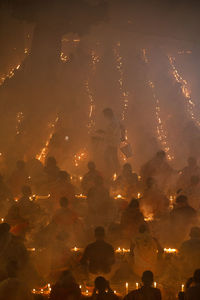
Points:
(145, 227)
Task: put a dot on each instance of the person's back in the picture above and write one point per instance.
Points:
(102, 290)
(189, 251)
(146, 292)
(89, 178)
(12, 288)
(193, 292)
(65, 288)
(99, 256)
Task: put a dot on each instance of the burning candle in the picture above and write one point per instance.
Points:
(126, 287)
(87, 292)
(137, 285)
(182, 287)
(2, 220)
(80, 287)
(155, 285)
(33, 291)
(138, 195)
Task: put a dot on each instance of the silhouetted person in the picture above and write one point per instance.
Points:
(51, 169)
(65, 288)
(62, 187)
(153, 201)
(182, 218)
(157, 168)
(145, 249)
(23, 213)
(189, 252)
(18, 178)
(192, 169)
(127, 183)
(11, 248)
(99, 256)
(12, 288)
(193, 292)
(147, 291)
(132, 219)
(99, 203)
(65, 220)
(102, 290)
(89, 178)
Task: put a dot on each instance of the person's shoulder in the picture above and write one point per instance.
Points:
(132, 295)
(108, 245)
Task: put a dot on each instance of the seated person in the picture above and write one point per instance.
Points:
(102, 290)
(147, 291)
(89, 178)
(132, 218)
(66, 288)
(189, 252)
(99, 256)
(127, 183)
(193, 292)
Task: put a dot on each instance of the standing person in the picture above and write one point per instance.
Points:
(147, 291)
(112, 137)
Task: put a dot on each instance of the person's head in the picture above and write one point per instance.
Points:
(197, 276)
(194, 180)
(64, 202)
(150, 182)
(51, 161)
(127, 169)
(63, 176)
(181, 296)
(134, 203)
(181, 200)
(108, 113)
(161, 155)
(99, 233)
(143, 228)
(20, 165)
(192, 162)
(67, 278)
(147, 278)
(195, 233)
(101, 284)
(26, 191)
(91, 166)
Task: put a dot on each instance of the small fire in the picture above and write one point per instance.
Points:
(170, 250)
(149, 218)
(122, 250)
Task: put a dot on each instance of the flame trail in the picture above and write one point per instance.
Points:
(124, 92)
(43, 153)
(186, 91)
(161, 132)
(95, 60)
